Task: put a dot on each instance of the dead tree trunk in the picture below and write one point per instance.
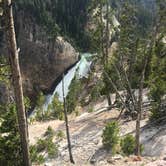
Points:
(139, 111)
(109, 100)
(107, 31)
(102, 34)
(105, 47)
(17, 81)
(66, 122)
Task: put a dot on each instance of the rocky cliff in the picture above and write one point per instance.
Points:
(42, 58)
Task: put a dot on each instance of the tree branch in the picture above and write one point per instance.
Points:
(116, 90)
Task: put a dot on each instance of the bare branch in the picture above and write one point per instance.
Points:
(116, 90)
(3, 65)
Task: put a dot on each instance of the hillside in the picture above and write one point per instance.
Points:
(86, 140)
(83, 82)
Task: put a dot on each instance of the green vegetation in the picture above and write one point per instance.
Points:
(4, 70)
(90, 109)
(141, 37)
(49, 133)
(158, 87)
(10, 146)
(39, 107)
(35, 156)
(43, 145)
(40, 10)
(128, 145)
(67, 17)
(96, 91)
(111, 71)
(71, 16)
(77, 113)
(54, 110)
(27, 104)
(111, 137)
(73, 95)
(157, 78)
(60, 134)
(48, 146)
(112, 141)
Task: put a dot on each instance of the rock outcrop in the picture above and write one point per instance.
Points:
(42, 58)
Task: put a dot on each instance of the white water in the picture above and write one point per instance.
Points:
(81, 69)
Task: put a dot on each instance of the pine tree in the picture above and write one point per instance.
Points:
(101, 10)
(130, 64)
(10, 143)
(157, 78)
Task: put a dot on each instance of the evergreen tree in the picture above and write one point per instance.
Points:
(130, 64)
(10, 144)
(157, 79)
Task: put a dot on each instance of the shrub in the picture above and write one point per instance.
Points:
(39, 115)
(111, 136)
(49, 132)
(35, 156)
(128, 144)
(82, 102)
(33, 152)
(60, 134)
(41, 145)
(48, 146)
(31, 120)
(40, 100)
(56, 109)
(40, 159)
(157, 112)
(90, 110)
(95, 93)
(52, 149)
(76, 112)
(73, 94)
(10, 144)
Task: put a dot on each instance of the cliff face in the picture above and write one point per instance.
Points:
(42, 59)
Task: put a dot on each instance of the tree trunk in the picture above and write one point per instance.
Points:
(116, 90)
(17, 81)
(66, 122)
(139, 111)
(109, 100)
(107, 48)
(101, 35)
(137, 136)
(107, 31)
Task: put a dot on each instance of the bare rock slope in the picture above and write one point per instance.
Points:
(86, 131)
